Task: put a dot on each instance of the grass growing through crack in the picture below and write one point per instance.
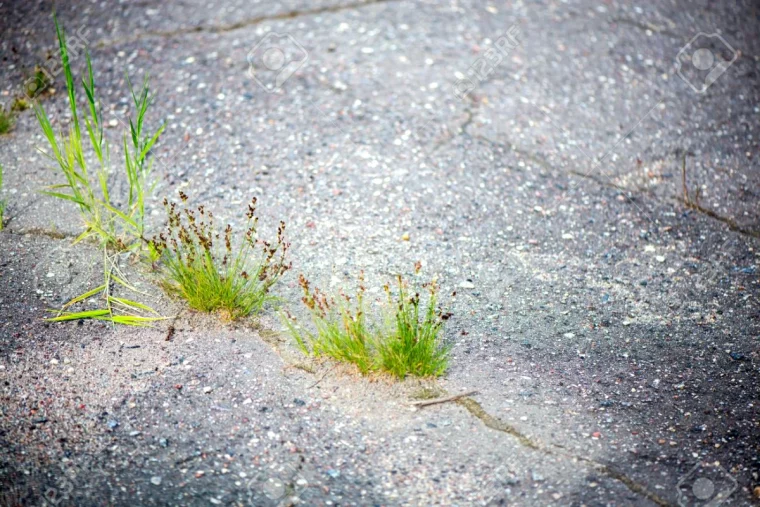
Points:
(204, 267)
(405, 341)
(7, 120)
(2, 201)
(342, 331)
(413, 346)
(118, 227)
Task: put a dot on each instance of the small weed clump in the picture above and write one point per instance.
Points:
(414, 346)
(406, 341)
(7, 121)
(2, 201)
(342, 330)
(118, 227)
(203, 266)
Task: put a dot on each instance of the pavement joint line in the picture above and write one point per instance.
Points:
(40, 232)
(229, 27)
(475, 409)
(597, 162)
(731, 223)
(645, 25)
(494, 423)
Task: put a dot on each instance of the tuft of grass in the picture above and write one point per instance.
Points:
(341, 328)
(7, 121)
(209, 271)
(413, 347)
(2, 202)
(405, 341)
(118, 227)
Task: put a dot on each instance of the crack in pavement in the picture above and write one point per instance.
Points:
(40, 232)
(536, 159)
(474, 408)
(645, 25)
(730, 222)
(229, 27)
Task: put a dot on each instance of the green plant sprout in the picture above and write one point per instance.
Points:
(203, 266)
(118, 227)
(117, 310)
(406, 340)
(7, 121)
(2, 201)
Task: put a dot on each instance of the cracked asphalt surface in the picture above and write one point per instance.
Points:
(610, 328)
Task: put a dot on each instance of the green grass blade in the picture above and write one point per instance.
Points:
(84, 296)
(91, 314)
(150, 144)
(64, 196)
(132, 304)
(67, 72)
(132, 320)
(120, 214)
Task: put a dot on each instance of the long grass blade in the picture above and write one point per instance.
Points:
(132, 304)
(90, 314)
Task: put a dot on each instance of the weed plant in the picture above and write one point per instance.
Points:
(7, 120)
(413, 346)
(204, 267)
(117, 310)
(2, 201)
(406, 340)
(117, 226)
(341, 328)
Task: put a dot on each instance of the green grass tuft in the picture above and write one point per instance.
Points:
(7, 121)
(342, 331)
(413, 347)
(211, 273)
(2, 202)
(118, 227)
(406, 341)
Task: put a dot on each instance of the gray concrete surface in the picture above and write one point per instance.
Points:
(610, 330)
